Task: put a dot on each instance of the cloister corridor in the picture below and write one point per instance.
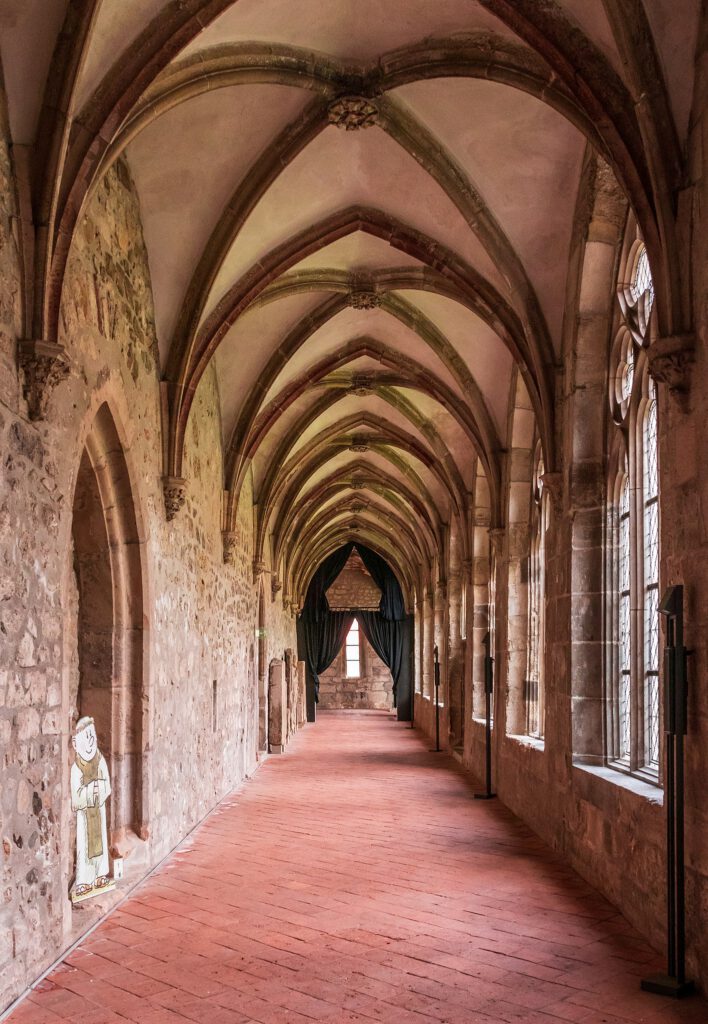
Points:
(354, 879)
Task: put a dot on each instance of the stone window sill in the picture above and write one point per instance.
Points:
(482, 720)
(528, 741)
(650, 791)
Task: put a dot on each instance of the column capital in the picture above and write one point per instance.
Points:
(44, 365)
(671, 361)
(553, 483)
(230, 540)
(174, 489)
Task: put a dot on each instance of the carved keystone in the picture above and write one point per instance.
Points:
(358, 444)
(670, 363)
(44, 364)
(361, 385)
(357, 484)
(364, 298)
(352, 113)
(174, 489)
(229, 539)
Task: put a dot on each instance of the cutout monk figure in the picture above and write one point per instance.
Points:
(90, 788)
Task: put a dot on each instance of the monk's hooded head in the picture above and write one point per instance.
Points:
(84, 739)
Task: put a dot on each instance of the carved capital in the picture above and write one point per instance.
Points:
(352, 113)
(275, 587)
(671, 360)
(553, 483)
(44, 364)
(259, 567)
(174, 489)
(229, 539)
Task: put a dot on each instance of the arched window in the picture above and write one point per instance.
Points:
(352, 652)
(633, 515)
(650, 502)
(536, 604)
(624, 604)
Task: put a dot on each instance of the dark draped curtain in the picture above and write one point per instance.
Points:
(323, 639)
(316, 604)
(386, 637)
(391, 605)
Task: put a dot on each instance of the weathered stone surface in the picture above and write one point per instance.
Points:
(199, 740)
(277, 707)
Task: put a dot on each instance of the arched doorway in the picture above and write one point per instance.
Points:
(105, 600)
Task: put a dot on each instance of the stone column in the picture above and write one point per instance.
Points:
(480, 578)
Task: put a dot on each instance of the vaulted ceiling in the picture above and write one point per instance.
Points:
(360, 214)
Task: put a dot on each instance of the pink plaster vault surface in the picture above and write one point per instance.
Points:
(355, 880)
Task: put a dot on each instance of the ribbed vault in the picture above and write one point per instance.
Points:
(358, 220)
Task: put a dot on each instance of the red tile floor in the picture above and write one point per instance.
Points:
(353, 879)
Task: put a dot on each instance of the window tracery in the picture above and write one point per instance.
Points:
(534, 695)
(633, 515)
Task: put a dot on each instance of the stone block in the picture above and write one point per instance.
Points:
(277, 707)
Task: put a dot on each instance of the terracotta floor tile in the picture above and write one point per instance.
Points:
(352, 880)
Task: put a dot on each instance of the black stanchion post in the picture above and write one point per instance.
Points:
(488, 690)
(674, 983)
(437, 701)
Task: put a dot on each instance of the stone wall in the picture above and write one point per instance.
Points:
(610, 826)
(196, 685)
(354, 587)
(372, 690)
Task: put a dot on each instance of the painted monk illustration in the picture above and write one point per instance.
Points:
(90, 788)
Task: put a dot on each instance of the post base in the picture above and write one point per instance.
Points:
(665, 985)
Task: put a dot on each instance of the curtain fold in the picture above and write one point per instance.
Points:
(391, 605)
(323, 639)
(316, 599)
(386, 637)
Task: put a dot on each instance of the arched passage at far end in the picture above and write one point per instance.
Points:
(386, 623)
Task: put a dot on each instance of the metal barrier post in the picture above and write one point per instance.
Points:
(674, 982)
(488, 690)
